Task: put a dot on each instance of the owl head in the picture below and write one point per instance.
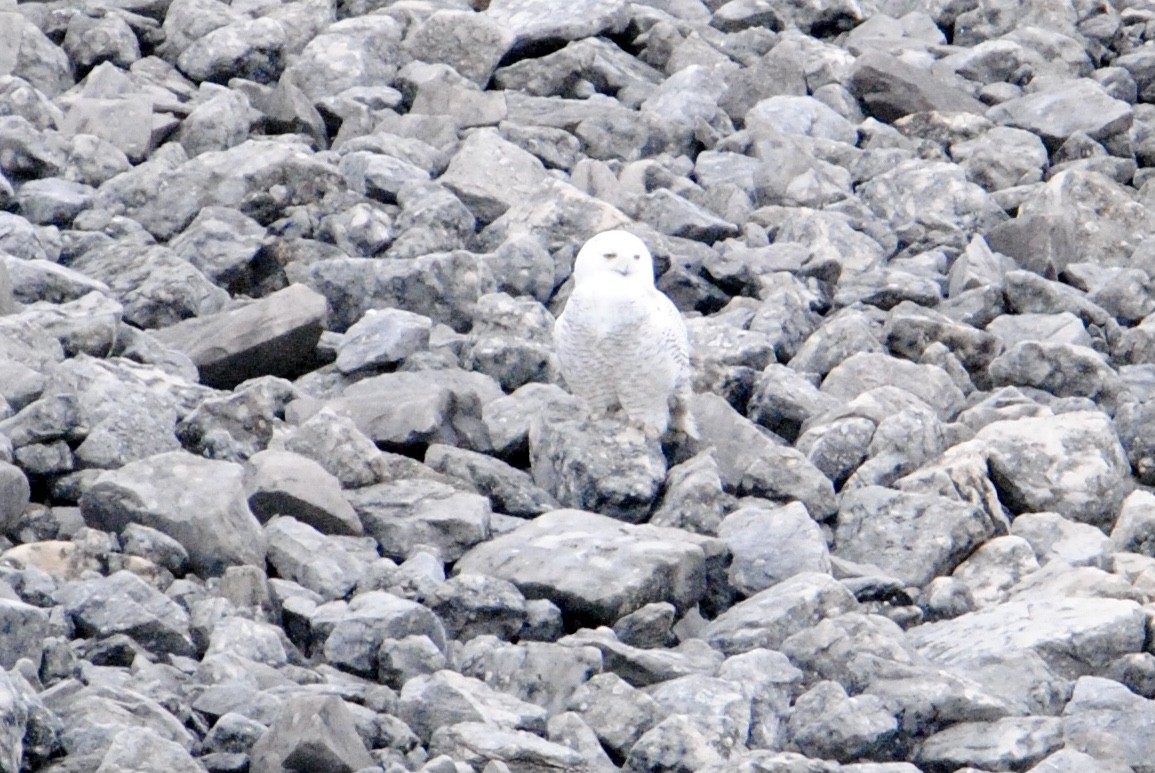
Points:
(615, 252)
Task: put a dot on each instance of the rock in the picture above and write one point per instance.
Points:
(311, 731)
(383, 337)
(594, 567)
(751, 463)
(284, 483)
(168, 291)
(215, 526)
(1064, 370)
(693, 498)
(618, 713)
(237, 424)
(1054, 537)
(1056, 113)
(53, 201)
(444, 286)
(596, 465)
(543, 673)
(1097, 703)
(533, 24)
(891, 88)
(475, 605)
(828, 724)
(407, 514)
(510, 490)
(138, 748)
(864, 371)
(300, 553)
(642, 667)
(124, 603)
(998, 565)
(770, 545)
(870, 517)
(1080, 447)
(767, 618)
(273, 336)
(471, 43)
(24, 629)
(445, 699)
(472, 174)
(369, 619)
(222, 243)
(478, 743)
(1072, 635)
(125, 123)
(14, 494)
(1007, 743)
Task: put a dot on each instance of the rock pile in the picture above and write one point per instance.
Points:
(289, 479)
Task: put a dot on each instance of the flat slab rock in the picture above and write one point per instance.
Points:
(1073, 635)
(596, 568)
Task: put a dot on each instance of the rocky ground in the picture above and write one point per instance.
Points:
(289, 481)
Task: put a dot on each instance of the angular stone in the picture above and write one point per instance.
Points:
(198, 502)
(369, 619)
(1055, 113)
(124, 123)
(383, 337)
(304, 555)
(124, 603)
(311, 732)
(285, 483)
(471, 43)
(864, 371)
(14, 497)
(406, 514)
(273, 336)
(510, 490)
(1013, 742)
(768, 618)
(890, 88)
(446, 698)
(490, 175)
(23, 629)
(1074, 636)
(891, 530)
(594, 567)
(534, 23)
(222, 243)
(770, 545)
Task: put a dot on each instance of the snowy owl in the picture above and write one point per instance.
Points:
(620, 341)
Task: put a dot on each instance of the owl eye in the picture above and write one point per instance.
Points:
(637, 257)
(610, 255)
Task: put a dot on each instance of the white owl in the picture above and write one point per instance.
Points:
(621, 341)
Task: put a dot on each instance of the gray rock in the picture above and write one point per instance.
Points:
(1080, 449)
(407, 514)
(335, 443)
(93, 160)
(1131, 532)
(1002, 158)
(380, 177)
(311, 731)
(1059, 632)
(218, 121)
(1058, 112)
(251, 49)
(770, 545)
(221, 242)
(145, 280)
(596, 465)
(124, 603)
(471, 43)
(156, 546)
(618, 713)
(432, 220)
(647, 627)
(444, 286)
(233, 733)
(369, 619)
(677, 743)
(1064, 370)
(138, 748)
(569, 729)
(1067, 760)
(1007, 743)
(93, 716)
(126, 123)
(14, 493)
(751, 463)
(250, 639)
(472, 174)
(41, 280)
(767, 618)
(480, 744)
(53, 201)
(215, 525)
(399, 660)
(543, 673)
(828, 724)
(24, 629)
(232, 426)
(998, 565)
(1097, 704)
(88, 324)
(383, 337)
(273, 336)
(510, 490)
(444, 699)
(1054, 537)
(285, 483)
(870, 517)
(471, 605)
(693, 498)
(533, 23)
(864, 371)
(646, 667)
(300, 553)
(891, 88)
(594, 567)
